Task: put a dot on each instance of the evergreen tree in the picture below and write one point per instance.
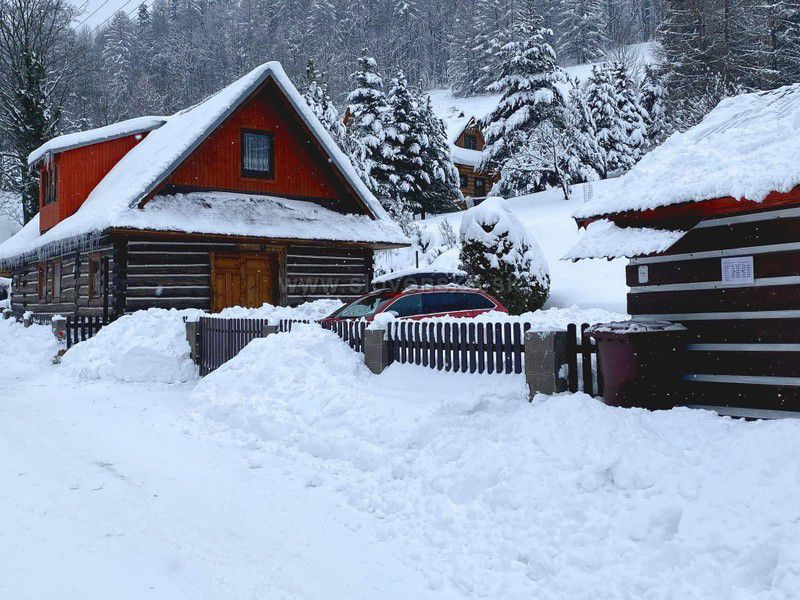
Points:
(368, 113)
(317, 98)
(502, 258)
(118, 66)
(530, 97)
(443, 186)
(609, 129)
(652, 97)
(632, 116)
(784, 40)
(487, 36)
(406, 138)
(583, 30)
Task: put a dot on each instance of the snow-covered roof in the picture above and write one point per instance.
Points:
(139, 173)
(458, 112)
(604, 239)
(94, 136)
(229, 213)
(747, 147)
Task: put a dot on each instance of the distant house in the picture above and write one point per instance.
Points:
(461, 117)
(711, 223)
(239, 200)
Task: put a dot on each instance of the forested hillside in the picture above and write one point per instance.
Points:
(57, 74)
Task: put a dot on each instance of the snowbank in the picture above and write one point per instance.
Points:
(312, 311)
(497, 497)
(146, 346)
(24, 348)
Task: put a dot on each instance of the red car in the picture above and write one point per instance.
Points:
(419, 303)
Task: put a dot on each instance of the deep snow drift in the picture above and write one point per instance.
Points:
(493, 496)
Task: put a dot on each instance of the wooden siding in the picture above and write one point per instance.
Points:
(74, 297)
(145, 273)
(301, 169)
(743, 339)
(79, 171)
(313, 273)
(471, 129)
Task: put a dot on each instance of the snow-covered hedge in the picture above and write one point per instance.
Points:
(146, 346)
(502, 258)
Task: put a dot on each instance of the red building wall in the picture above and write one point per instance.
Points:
(301, 170)
(79, 171)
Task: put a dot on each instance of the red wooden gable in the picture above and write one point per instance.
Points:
(78, 171)
(302, 168)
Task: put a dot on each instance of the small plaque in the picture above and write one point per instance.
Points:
(738, 270)
(644, 274)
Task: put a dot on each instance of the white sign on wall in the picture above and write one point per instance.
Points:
(644, 274)
(738, 269)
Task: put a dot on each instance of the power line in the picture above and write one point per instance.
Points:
(92, 14)
(104, 21)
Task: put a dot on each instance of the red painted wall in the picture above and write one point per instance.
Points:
(301, 169)
(79, 171)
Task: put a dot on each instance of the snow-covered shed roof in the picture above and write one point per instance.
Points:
(457, 113)
(77, 139)
(113, 202)
(746, 148)
(604, 239)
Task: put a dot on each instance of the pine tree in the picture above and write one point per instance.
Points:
(583, 30)
(369, 111)
(584, 157)
(317, 98)
(530, 97)
(609, 130)
(632, 116)
(482, 48)
(405, 136)
(443, 181)
(118, 65)
(784, 40)
(652, 97)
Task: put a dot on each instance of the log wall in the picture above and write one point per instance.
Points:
(744, 338)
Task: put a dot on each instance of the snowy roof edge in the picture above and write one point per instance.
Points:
(82, 138)
(605, 239)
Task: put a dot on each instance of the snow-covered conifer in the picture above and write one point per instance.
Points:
(317, 98)
(502, 258)
(530, 97)
(632, 116)
(368, 111)
(583, 30)
(609, 129)
(443, 185)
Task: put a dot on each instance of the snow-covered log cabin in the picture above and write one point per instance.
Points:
(241, 199)
(711, 223)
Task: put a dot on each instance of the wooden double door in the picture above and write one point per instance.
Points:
(246, 279)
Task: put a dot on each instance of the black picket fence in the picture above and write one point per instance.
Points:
(80, 328)
(458, 347)
(482, 347)
(222, 339)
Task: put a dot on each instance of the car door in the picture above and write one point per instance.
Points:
(407, 306)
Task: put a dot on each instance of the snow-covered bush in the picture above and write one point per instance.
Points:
(502, 258)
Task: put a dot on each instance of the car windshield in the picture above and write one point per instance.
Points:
(364, 307)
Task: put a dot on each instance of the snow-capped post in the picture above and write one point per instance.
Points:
(7, 313)
(546, 362)
(59, 326)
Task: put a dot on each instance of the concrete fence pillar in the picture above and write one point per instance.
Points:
(268, 330)
(546, 361)
(193, 337)
(59, 326)
(376, 350)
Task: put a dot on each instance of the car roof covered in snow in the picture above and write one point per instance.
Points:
(746, 148)
(140, 172)
(78, 139)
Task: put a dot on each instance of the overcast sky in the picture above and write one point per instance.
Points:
(105, 9)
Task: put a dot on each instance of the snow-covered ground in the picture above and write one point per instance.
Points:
(293, 472)
(596, 283)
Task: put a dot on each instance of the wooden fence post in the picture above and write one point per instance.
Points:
(376, 350)
(546, 361)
